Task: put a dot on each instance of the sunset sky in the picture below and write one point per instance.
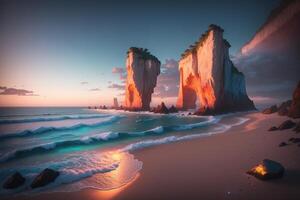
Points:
(72, 53)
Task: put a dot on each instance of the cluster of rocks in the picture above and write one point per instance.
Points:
(162, 108)
(289, 108)
(292, 140)
(288, 124)
(98, 107)
(44, 178)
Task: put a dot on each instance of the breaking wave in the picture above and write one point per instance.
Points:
(77, 167)
(100, 137)
(46, 119)
(41, 130)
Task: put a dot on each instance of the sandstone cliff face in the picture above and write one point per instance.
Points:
(278, 18)
(270, 60)
(294, 110)
(142, 71)
(207, 74)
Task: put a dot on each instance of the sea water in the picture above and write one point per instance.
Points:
(90, 148)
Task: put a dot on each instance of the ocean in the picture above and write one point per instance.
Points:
(90, 148)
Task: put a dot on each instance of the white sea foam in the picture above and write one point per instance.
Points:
(45, 119)
(79, 166)
(100, 122)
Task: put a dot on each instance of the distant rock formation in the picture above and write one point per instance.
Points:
(207, 73)
(142, 71)
(294, 110)
(115, 103)
(162, 108)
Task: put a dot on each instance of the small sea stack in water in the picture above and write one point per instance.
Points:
(44, 178)
(14, 181)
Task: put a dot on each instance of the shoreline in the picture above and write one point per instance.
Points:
(211, 167)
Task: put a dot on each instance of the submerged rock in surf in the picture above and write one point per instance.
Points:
(14, 181)
(44, 178)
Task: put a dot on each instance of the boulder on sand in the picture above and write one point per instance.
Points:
(14, 181)
(270, 110)
(282, 144)
(267, 169)
(297, 128)
(44, 178)
(273, 128)
(286, 125)
(283, 109)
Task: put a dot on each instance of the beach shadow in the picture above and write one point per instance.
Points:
(290, 178)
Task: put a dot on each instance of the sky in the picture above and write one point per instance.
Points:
(72, 53)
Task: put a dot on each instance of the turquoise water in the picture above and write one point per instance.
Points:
(89, 147)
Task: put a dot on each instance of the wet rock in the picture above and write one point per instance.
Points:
(162, 108)
(270, 110)
(14, 181)
(173, 109)
(44, 178)
(267, 169)
(287, 125)
(273, 128)
(282, 144)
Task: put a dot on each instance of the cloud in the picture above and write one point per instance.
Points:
(15, 91)
(167, 82)
(118, 70)
(117, 86)
(95, 89)
(84, 83)
(269, 74)
(121, 71)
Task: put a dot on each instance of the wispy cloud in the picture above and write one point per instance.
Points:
(121, 71)
(84, 82)
(167, 82)
(15, 91)
(95, 89)
(117, 86)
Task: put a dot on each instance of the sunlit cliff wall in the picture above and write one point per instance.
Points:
(207, 74)
(142, 71)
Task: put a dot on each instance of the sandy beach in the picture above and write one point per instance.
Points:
(210, 168)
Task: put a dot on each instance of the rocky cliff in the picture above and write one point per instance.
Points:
(278, 18)
(208, 75)
(142, 71)
(270, 60)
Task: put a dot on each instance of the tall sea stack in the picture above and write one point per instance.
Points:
(207, 73)
(142, 71)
